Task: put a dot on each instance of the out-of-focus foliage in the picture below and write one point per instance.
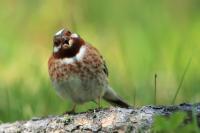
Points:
(138, 38)
(175, 123)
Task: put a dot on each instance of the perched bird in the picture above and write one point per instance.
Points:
(78, 71)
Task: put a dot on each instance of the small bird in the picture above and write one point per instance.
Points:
(78, 71)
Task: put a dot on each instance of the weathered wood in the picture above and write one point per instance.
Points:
(104, 120)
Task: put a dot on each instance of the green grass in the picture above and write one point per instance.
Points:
(136, 38)
(177, 122)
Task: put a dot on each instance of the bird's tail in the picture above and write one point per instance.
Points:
(111, 96)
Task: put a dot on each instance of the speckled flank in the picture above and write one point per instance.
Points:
(90, 65)
(89, 70)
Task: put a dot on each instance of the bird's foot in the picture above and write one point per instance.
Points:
(71, 112)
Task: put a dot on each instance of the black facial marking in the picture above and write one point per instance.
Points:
(63, 38)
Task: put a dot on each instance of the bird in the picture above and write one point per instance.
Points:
(78, 71)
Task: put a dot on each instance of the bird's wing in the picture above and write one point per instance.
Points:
(105, 69)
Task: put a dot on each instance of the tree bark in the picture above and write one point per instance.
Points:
(112, 119)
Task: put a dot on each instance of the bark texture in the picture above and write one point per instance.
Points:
(103, 120)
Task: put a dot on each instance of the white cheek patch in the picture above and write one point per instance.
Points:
(74, 35)
(56, 49)
(78, 57)
(59, 32)
(81, 53)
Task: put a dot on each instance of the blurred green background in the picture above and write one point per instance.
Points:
(138, 38)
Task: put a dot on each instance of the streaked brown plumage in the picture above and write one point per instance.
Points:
(78, 71)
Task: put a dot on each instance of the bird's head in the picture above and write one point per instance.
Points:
(66, 44)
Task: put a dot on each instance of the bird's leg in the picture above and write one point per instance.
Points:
(73, 108)
(99, 102)
(72, 111)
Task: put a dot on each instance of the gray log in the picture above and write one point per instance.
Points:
(104, 120)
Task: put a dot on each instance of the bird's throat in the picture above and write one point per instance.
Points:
(68, 53)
